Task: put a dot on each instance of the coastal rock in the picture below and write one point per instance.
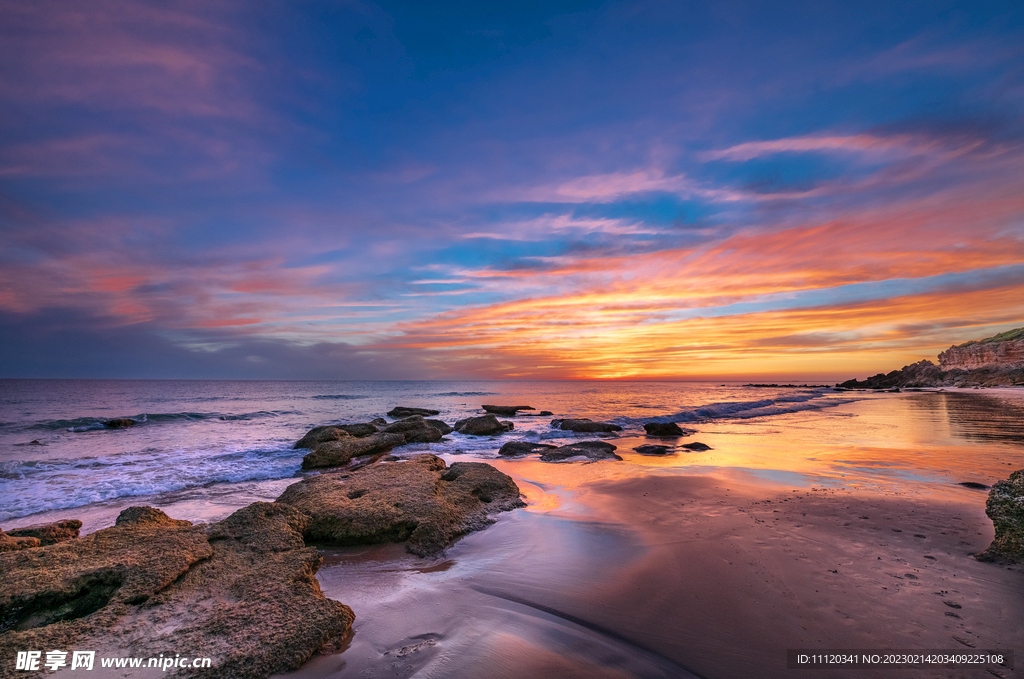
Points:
(513, 448)
(585, 425)
(399, 412)
(506, 411)
(418, 501)
(49, 533)
(119, 423)
(992, 362)
(11, 544)
(416, 429)
(696, 445)
(1005, 506)
(318, 435)
(665, 429)
(364, 428)
(241, 592)
(595, 450)
(484, 425)
(649, 449)
(543, 413)
(337, 453)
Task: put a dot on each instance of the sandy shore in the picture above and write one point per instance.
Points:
(674, 575)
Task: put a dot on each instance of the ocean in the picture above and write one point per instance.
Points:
(196, 442)
(815, 519)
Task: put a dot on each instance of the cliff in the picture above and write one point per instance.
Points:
(992, 362)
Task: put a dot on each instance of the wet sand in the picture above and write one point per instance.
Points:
(664, 574)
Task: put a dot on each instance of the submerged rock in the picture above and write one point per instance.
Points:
(506, 411)
(49, 533)
(595, 450)
(585, 425)
(485, 425)
(418, 501)
(696, 445)
(649, 449)
(1005, 506)
(341, 451)
(241, 592)
(665, 429)
(399, 412)
(523, 448)
(119, 423)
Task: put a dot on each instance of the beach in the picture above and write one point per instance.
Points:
(816, 520)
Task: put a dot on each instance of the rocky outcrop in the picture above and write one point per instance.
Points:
(241, 591)
(417, 501)
(416, 429)
(485, 425)
(506, 411)
(401, 412)
(1005, 506)
(10, 544)
(993, 362)
(666, 429)
(335, 432)
(516, 448)
(1003, 350)
(585, 425)
(341, 451)
(595, 450)
(49, 533)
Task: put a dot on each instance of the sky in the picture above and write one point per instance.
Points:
(720, 190)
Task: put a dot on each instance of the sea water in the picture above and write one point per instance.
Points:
(226, 443)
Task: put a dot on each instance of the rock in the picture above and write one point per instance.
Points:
(665, 429)
(418, 501)
(484, 425)
(399, 412)
(506, 411)
(337, 453)
(973, 484)
(318, 435)
(119, 423)
(362, 429)
(10, 544)
(1005, 506)
(652, 450)
(586, 426)
(415, 429)
(442, 427)
(241, 592)
(595, 450)
(523, 448)
(49, 533)
(543, 413)
(696, 445)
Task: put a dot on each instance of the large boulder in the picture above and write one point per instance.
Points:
(318, 435)
(595, 450)
(665, 429)
(399, 412)
(49, 533)
(505, 411)
(416, 429)
(417, 501)
(485, 425)
(585, 425)
(514, 448)
(241, 592)
(1005, 506)
(340, 452)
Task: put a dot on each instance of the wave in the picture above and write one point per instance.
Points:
(83, 424)
(339, 397)
(43, 485)
(744, 410)
(464, 393)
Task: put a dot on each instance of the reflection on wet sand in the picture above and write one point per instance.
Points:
(842, 530)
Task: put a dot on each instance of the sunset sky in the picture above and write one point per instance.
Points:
(528, 190)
